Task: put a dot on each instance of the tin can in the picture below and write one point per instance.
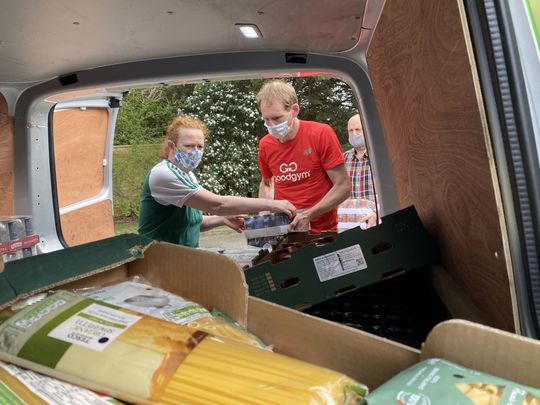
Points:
(16, 229)
(28, 225)
(4, 232)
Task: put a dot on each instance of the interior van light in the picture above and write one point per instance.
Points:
(250, 31)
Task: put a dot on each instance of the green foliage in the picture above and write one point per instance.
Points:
(328, 100)
(145, 113)
(130, 167)
(230, 157)
(229, 110)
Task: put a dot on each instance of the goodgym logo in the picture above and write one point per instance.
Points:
(288, 168)
(289, 173)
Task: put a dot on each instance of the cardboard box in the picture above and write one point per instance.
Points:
(208, 278)
(356, 258)
(216, 281)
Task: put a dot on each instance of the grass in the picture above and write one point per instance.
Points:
(125, 225)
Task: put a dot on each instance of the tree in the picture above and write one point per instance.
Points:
(230, 158)
(328, 100)
(145, 113)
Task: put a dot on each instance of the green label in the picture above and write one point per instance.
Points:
(45, 350)
(102, 321)
(8, 397)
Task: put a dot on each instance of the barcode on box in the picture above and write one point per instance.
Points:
(339, 263)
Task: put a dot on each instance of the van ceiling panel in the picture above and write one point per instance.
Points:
(43, 39)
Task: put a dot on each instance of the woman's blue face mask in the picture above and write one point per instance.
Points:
(188, 160)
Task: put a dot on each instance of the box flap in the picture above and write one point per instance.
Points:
(210, 279)
(369, 359)
(39, 273)
(485, 349)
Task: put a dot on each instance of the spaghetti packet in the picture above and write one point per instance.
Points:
(142, 359)
(19, 386)
(138, 295)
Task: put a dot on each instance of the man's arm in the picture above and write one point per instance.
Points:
(340, 191)
(266, 188)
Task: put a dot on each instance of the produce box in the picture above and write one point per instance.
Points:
(216, 281)
(335, 265)
(207, 278)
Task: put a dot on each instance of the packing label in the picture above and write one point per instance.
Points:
(50, 390)
(340, 263)
(95, 327)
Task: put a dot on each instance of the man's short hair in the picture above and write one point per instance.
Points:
(277, 90)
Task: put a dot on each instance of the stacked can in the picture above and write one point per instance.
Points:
(14, 228)
(265, 221)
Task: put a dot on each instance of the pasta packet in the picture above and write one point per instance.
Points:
(19, 386)
(138, 295)
(437, 381)
(143, 359)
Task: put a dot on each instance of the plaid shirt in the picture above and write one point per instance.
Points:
(359, 172)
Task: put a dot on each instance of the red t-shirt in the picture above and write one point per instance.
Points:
(299, 168)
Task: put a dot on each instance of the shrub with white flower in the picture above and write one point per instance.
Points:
(229, 165)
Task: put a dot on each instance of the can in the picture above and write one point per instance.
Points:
(28, 225)
(4, 232)
(16, 229)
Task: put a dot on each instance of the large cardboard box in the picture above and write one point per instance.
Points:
(210, 279)
(217, 281)
(355, 258)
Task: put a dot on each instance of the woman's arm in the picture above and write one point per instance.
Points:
(211, 221)
(214, 204)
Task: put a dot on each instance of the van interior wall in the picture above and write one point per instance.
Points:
(80, 137)
(6, 159)
(432, 119)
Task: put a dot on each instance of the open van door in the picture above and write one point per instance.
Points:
(81, 135)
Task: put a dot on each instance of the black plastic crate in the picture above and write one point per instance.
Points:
(404, 308)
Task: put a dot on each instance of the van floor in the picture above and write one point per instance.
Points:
(403, 308)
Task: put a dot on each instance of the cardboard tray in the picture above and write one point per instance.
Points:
(356, 258)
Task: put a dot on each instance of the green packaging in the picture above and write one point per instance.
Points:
(437, 381)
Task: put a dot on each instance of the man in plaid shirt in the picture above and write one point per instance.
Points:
(357, 165)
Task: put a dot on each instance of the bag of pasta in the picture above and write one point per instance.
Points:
(436, 381)
(142, 359)
(19, 386)
(137, 294)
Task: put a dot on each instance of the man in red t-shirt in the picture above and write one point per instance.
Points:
(300, 161)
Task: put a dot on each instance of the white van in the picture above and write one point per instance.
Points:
(448, 92)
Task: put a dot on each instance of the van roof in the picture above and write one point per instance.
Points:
(41, 40)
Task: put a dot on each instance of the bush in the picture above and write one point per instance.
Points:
(130, 167)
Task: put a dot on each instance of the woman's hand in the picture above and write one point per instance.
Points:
(284, 206)
(236, 223)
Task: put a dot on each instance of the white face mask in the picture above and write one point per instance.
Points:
(279, 131)
(357, 140)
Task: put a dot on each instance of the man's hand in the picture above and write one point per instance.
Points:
(370, 218)
(300, 222)
(236, 223)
